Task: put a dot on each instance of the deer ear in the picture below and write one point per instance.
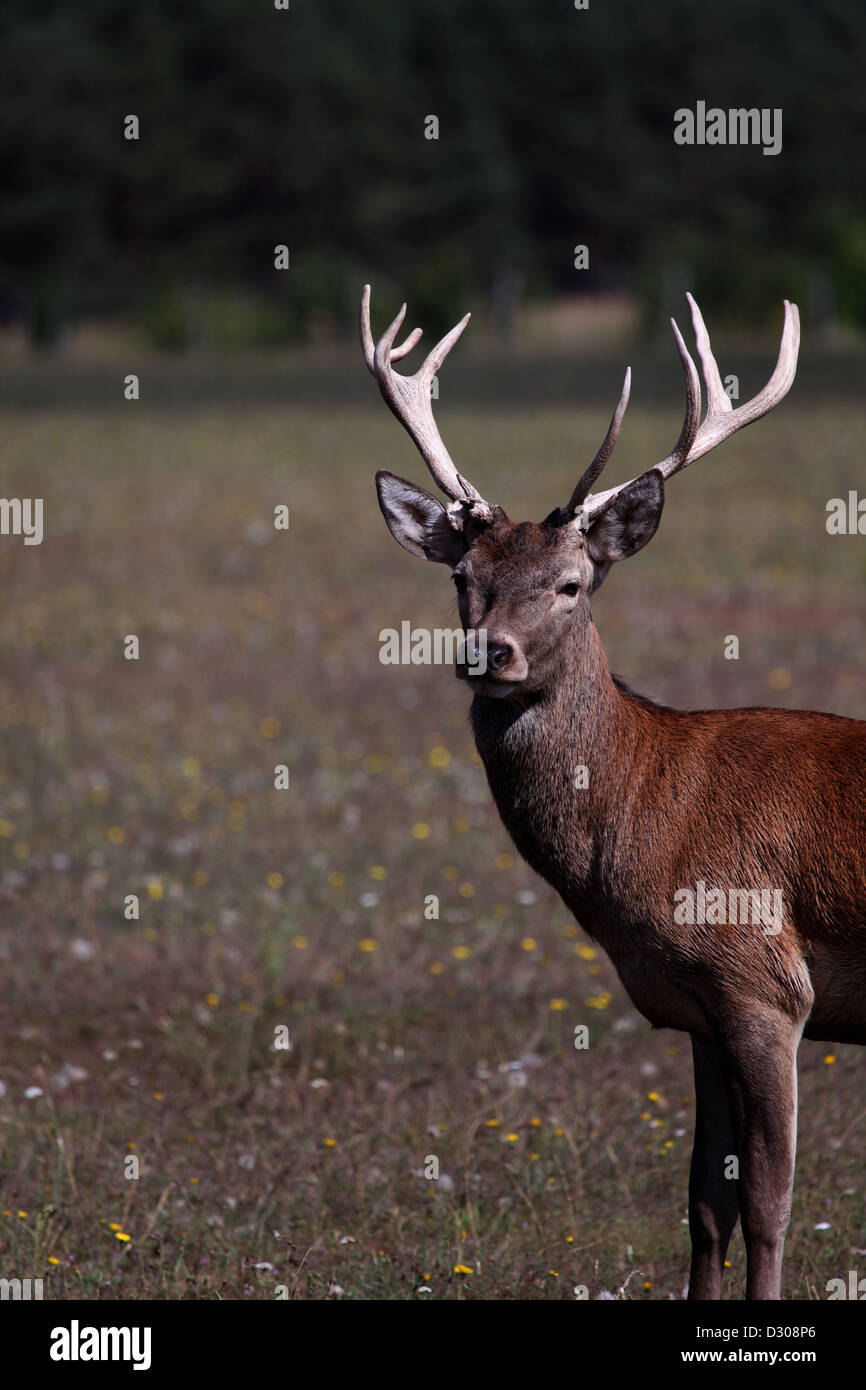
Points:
(418, 521)
(629, 521)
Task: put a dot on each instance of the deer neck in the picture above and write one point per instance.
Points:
(561, 769)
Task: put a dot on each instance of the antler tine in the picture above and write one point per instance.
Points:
(434, 359)
(676, 459)
(721, 419)
(367, 336)
(409, 399)
(718, 401)
(595, 468)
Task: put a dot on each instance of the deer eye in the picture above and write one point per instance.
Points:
(571, 589)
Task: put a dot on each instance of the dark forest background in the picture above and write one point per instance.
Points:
(306, 126)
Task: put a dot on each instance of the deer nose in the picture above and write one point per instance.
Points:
(498, 655)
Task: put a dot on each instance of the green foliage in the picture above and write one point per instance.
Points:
(850, 278)
(307, 126)
(167, 320)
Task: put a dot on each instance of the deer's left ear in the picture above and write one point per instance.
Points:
(628, 523)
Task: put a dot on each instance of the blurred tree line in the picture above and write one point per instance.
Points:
(306, 126)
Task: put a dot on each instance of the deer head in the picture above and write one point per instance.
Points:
(528, 584)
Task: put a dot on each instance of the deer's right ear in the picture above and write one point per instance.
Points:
(418, 521)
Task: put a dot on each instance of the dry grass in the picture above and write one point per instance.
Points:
(305, 908)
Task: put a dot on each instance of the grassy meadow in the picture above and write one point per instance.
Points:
(302, 1168)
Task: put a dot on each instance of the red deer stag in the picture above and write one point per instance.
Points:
(734, 809)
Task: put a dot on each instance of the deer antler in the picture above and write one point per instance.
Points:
(409, 399)
(607, 448)
(721, 419)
